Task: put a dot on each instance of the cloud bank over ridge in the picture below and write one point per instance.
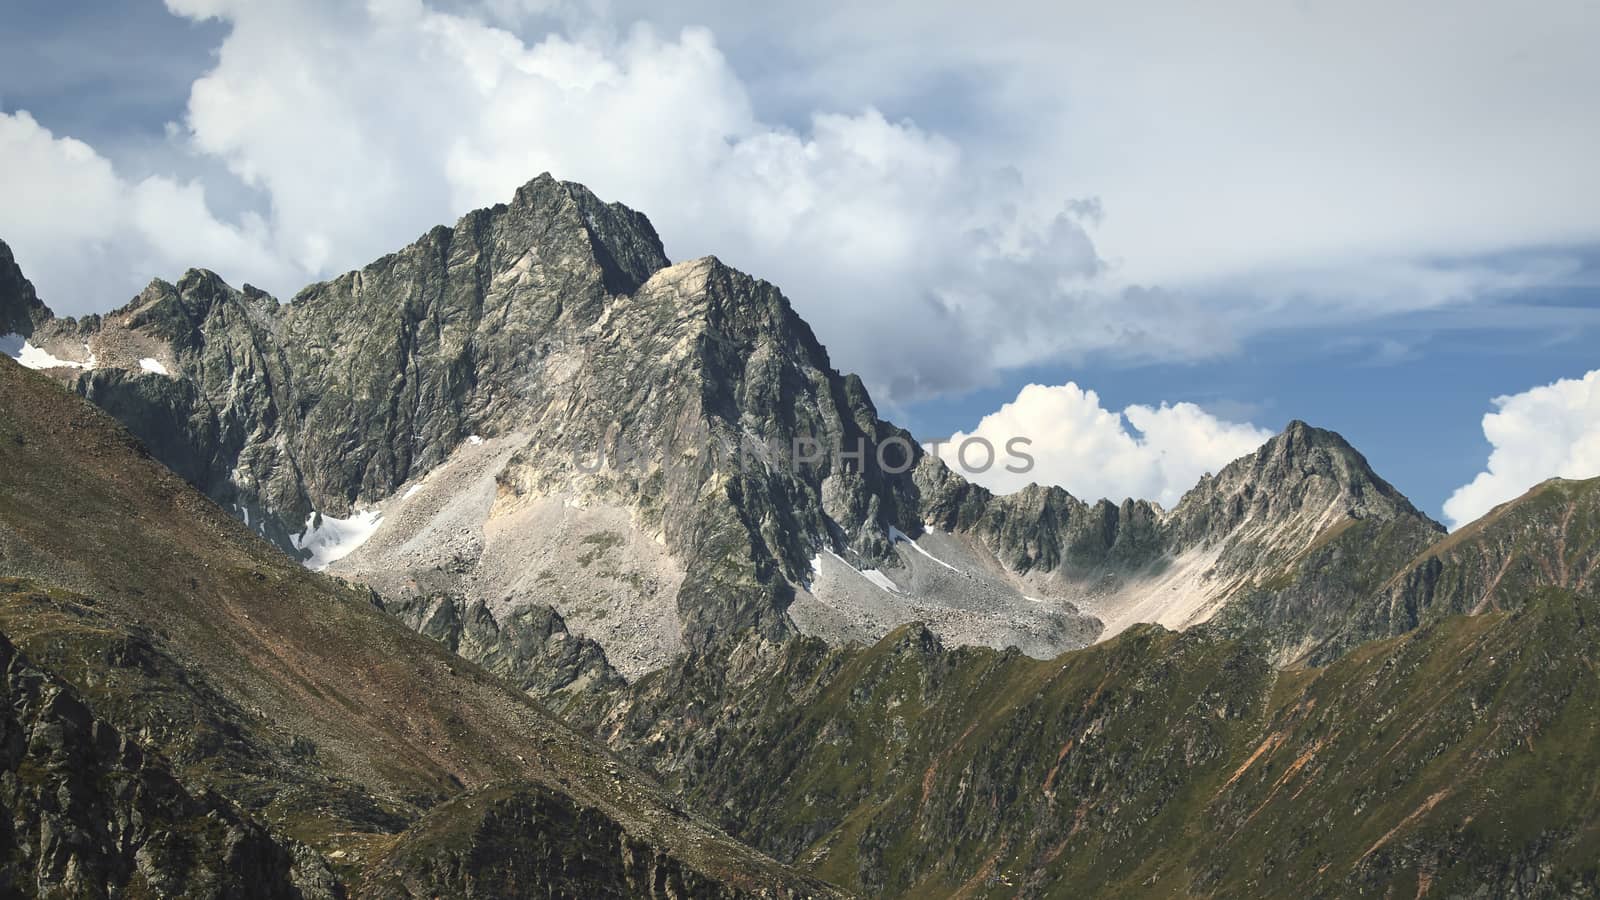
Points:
(1028, 187)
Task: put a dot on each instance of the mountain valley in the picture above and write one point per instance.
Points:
(339, 596)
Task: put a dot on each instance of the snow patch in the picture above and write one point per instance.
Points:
(872, 575)
(896, 534)
(151, 364)
(474, 439)
(880, 579)
(411, 492)
(23, 351)
(816, 569)
(329, 539)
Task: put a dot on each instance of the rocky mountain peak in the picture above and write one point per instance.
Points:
(544, 330)
(623, 242)
(20, 308)
(181, 313)
(1303, 471)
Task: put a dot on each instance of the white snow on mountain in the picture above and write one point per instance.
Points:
(23, 351)
(329, 539)
(899, 536)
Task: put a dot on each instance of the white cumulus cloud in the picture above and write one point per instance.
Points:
(899, 248)
(1546, 432)
(78, 228)
(1146, 452)
(1021, 188)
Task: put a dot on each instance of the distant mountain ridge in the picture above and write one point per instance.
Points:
(447, 391)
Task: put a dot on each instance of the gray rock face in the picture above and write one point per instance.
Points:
(397, 363)
(1044, 529)
(337, 398)
(554, 324)
(20, 307)
(531, 649)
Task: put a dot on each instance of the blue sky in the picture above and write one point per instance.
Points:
(1376, 220)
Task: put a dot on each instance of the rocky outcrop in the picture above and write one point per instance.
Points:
(522, 841)
(20, 308)
(531, 649)
(1045, 529)
(87, 812)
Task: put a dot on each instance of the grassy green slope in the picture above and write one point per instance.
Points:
(906, 769)
(1459, 758)
(1462, 758)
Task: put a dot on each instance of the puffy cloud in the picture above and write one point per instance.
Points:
(1147, 452)
(1068, 185)
(1546, 432)
(900, 250)
(1234, 138)
(77, 227)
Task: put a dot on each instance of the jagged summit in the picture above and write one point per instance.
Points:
(1219, 553)
(493, 356)
(1301, 472)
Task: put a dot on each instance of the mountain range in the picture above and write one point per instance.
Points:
(482, 571)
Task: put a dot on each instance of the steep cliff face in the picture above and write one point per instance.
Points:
(195, 370)
(332, 401)
(397, 363)
(691, 390)
(20, 307)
